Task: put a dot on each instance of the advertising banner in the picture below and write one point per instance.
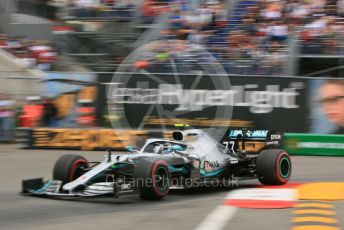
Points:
(81, 139)
(160, 101)
(314, 144)
(299, 105)
(326, 106)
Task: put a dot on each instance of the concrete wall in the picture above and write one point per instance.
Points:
(16, 80)
(32, 27)
(31, 31)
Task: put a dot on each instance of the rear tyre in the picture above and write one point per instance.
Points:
(69, 167)
(273, 167)
(153, 177)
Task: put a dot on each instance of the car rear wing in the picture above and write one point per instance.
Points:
(271, 139)
(248, 134)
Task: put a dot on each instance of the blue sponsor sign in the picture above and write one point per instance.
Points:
(249, 134)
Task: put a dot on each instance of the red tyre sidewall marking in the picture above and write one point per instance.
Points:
(74, 166)
(278, 168)
(155, 166)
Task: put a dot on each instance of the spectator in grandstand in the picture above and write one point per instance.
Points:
(331, 97)
(85, 8)
(330, 33)
(271, 10)
(176, 21)
(3, 40)
(299, 9)
(44, 54)
(340, 8)
(7, 120)
(26, 60)
(31, 54)
(13, 43)
(151, 9)
(86, 113)
(249, 26)
(321, 35)
(278, 31)
(263, 29)
(32, 112)
(275, 58)
(49, 113)
(199, 37)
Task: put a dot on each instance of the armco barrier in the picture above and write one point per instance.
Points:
(100, 139)
(314, 144)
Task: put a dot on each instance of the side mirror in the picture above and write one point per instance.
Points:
(131, 149)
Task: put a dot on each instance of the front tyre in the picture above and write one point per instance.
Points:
(153, 177)
(273, 167)
(69, 167)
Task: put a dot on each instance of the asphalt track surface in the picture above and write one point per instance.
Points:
(179, 210)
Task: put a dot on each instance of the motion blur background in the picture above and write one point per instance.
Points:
(57, 57)
(168, 62)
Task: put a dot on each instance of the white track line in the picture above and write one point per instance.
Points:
(281, 194)
(218, 218)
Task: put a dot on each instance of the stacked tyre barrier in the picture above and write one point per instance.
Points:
(24, 137)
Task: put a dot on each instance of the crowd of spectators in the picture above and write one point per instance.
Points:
(32, 54)
(147, 10)
(252, 45)
(316, 24)
(254, 37)
(122, 9)
(323, 30)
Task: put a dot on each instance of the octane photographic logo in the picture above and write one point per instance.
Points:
(168, 82)
(184, 182)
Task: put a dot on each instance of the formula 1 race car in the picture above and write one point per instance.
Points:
(192, 158)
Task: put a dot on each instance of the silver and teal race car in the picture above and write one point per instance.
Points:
(192, 158)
